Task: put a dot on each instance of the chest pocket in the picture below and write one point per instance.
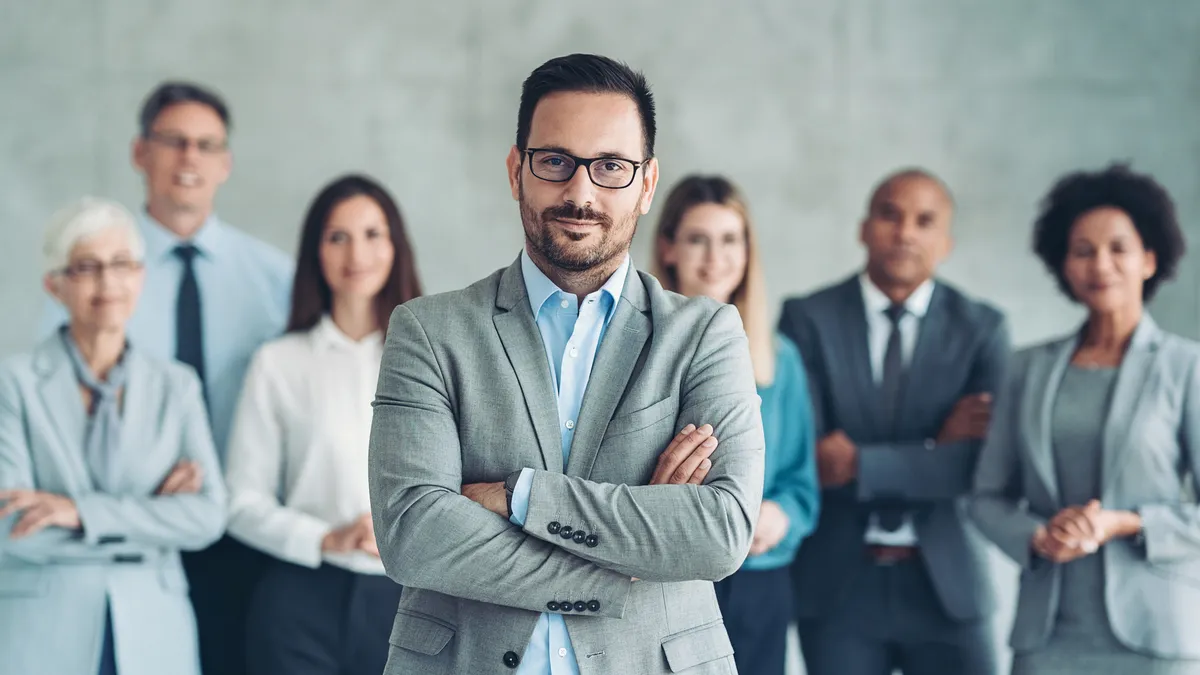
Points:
(642, 419)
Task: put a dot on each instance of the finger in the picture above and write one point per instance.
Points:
(36, 518)
(689, 465)
(679, 438)
(670, 460)
(18, 502)
(174, 479)
(701, 472)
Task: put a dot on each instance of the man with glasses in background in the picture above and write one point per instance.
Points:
(528, 486)
(213, 294)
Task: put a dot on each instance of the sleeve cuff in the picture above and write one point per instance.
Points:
(520, 498)
(303, 545)
(92, 522)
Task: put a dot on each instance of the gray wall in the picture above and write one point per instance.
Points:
(805, 104)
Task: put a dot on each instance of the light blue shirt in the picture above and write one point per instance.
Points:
(245, 293)
(571, 333)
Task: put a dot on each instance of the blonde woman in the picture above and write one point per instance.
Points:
(705, 247)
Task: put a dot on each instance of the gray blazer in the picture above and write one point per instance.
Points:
(55, 585)
(962, 348)
(465, 396)
(1150, 450)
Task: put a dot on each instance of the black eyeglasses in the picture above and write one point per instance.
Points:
(554, 166)
(206, 146)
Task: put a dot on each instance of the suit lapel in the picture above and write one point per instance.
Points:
(1046, 377)
(1127, 393)
(63, 403)
(615, 361)
(857, 358)
(523, 344)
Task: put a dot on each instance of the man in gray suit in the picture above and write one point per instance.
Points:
(902, 369)
(517, 486)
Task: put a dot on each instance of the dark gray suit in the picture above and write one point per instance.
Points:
(857, 617)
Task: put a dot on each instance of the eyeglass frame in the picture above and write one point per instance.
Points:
(122, 268)
(180, 143)
(587, 164)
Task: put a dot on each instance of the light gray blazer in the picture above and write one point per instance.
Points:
(465, 396)
(1151, 447)
(55, 584)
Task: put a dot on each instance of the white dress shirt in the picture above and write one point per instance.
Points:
(879, 331)
(297, 462)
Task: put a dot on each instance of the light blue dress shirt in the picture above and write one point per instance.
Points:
(245, 293)
(571, 333)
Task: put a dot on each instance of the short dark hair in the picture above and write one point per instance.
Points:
(1142, 198)
(591, 74)
(311, 295)
(168, 94)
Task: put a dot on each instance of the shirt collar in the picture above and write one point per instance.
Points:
(540, 288)
(326, 334)
(160, 242)
(877, 302)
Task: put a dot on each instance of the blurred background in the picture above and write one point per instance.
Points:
(804, 103)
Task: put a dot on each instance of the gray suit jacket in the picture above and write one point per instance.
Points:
(1151, 448)
(465, 396)
(962, 348)
(56, 585)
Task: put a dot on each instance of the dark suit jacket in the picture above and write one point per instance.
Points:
(962, 348)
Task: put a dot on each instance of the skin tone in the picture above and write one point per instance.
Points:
(356, 256)
(906, 234)
(709, 256)
(578, 233)
(184, 160)
(1106, 267)
(100, 289)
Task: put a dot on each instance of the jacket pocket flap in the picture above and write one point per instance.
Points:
(698, 645)
(640, 419)
(23, 582)
(420, 633)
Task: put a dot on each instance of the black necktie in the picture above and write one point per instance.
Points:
(891, 519)
(189, 336)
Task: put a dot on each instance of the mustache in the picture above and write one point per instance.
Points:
(571, 212)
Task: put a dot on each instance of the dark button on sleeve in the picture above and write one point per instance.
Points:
(552, 606)
(592, 541)
(565, 605)
(580, 606)
(594, 606)
(511, 659)
(553, 527)
(566, 532)
(579, 537)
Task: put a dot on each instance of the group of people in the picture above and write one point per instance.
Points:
(221, 461)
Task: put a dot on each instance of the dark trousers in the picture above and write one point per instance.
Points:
(892, 619)
(757, 606)
(222, 578)
(108, 652)
(327, 621)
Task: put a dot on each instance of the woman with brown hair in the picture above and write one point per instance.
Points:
(705, 246)
(297, 464)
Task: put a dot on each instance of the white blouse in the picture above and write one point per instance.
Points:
(297, 459)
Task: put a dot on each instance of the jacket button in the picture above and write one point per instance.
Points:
(580, 606)
(553, 527)
(565, 605)
(552, 606)
(592, 541)
(579, 536)
(594, 606)
(511, 659)
(566, 532)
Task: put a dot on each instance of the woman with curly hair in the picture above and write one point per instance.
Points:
(1094, 444)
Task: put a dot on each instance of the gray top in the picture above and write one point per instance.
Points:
(1077, 426)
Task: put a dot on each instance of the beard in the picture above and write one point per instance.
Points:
(565, 250)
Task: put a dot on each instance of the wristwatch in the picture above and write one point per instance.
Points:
(510, 484)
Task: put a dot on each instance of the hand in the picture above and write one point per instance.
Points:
(686, 459)
(39, 510)
(1057, 550)
(1093, 526)
(185, 478)
(490, 496)
(969, 419)
(772, 527)
(359, 535)
(837, 459)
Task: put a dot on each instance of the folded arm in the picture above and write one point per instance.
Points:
(432, 537)
(675, 532)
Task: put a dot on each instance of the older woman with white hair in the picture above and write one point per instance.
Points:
(107, 471)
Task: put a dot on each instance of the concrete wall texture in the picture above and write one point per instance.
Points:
(805, 104)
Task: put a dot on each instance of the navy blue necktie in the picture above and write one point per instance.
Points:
(189, 334)
(891, 519)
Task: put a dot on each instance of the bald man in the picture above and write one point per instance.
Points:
(902, 368)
